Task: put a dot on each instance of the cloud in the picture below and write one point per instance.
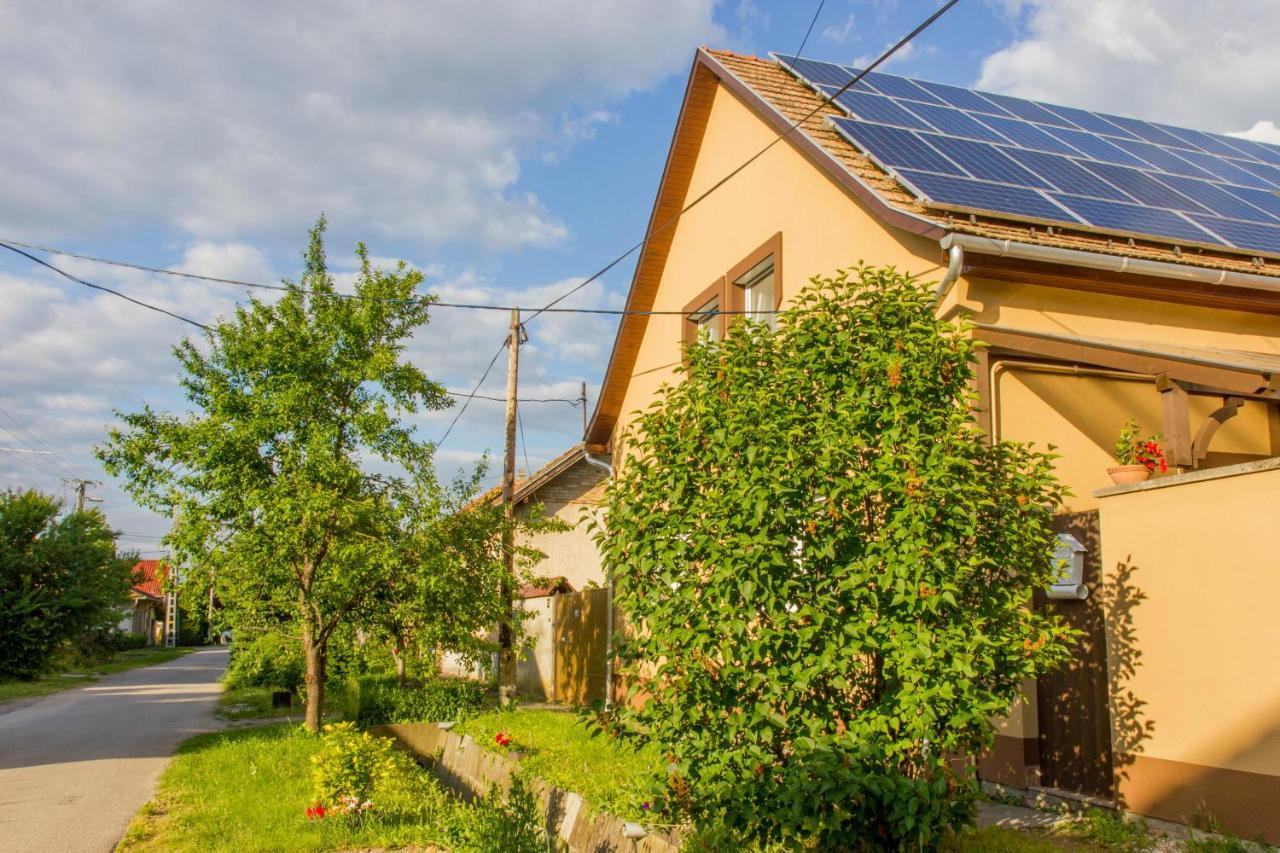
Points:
(1262, 131)
(1212, 66)
(839, 34)
(238, 119)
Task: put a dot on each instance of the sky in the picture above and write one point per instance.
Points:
(507, 150)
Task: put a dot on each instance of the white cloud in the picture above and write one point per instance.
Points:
(839, 33)
(239, 119)
(1211, 66)
(1262, 131)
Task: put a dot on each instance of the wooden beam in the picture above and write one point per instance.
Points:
(1176, 417)
(982, 390)
(1200, 444)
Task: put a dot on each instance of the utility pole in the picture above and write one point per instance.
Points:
(506, 640)
(82, 487)
(583, 401)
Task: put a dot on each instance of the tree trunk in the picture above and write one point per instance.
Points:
(398, 657)
(315, 650)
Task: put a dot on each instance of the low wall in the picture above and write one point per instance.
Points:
(473, 771)
(1193, 645)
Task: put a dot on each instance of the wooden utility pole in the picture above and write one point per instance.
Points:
(506, 640)
(82, 487)
(583, 401)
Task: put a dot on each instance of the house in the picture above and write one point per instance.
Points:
(1114, 268)
(564, 650)
(145, 613)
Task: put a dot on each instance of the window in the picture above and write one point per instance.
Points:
(759, 293)
(706, 320)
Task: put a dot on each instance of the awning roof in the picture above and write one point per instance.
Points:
(1209, 368)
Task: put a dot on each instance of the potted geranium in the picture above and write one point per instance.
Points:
(1139, 457)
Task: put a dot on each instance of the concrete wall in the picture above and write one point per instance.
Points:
(1194, 645)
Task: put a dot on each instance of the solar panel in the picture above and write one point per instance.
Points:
(1136, 220)
(1143, 187)
(1086, 120)
(1029, 110)
(983, 160)
(990, 153)
(955, 122)
(895, 148)
(983, 195)
(876, 108)
(1268, 173)
(1027, 135)
(1162, 158)
(1146, 130)
(1225, 169)
(1067, 175)
(1268, 201)
(1095, 146)
(899, 87)
(1215, 198)
(965, 99)
(1243, 235)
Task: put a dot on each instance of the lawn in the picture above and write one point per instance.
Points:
(248, 790)
(558, 748)
(65, 680)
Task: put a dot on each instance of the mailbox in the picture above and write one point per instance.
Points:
(1069, 556)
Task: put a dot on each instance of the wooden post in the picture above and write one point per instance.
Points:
(1177, 422)
(506, 644)
(583, 401)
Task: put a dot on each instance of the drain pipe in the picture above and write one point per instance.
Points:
(955, 261)
(608, 636)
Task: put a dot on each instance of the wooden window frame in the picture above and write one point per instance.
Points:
(690, 329)
(734, 293)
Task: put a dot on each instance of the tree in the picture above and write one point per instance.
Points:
(269, 479)
(832, 568)
(59, 578)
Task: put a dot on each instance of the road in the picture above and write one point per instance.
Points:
(75, 766)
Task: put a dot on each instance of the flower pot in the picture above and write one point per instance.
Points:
(1125, 474)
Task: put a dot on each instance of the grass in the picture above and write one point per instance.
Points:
(248, 790)
(55, 682)
(254, 703)
(558, 748)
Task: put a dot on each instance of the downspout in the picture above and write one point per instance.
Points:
(955, 261)
(608, 570)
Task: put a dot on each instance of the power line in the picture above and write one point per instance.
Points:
(575, 402)
(528, 470)
(718, 184)
(474, 391)
(123, 296)
(31, 441)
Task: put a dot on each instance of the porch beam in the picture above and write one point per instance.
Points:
(1176, 416)
(1200, 444)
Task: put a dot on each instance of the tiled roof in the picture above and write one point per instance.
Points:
(793, 99)
(148, 578)
(526, 486)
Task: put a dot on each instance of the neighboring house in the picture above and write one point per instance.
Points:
(145, 613)
(563, 656)
(1104, 292)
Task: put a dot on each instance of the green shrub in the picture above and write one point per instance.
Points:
(832, 564)
(350, 767)
(381, 699)
(511, 825)
(270, 660)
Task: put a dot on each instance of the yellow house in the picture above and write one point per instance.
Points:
(1171, 707)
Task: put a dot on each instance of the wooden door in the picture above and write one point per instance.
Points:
(1074, 709)
(580, 628)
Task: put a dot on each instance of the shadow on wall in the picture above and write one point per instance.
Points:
(1130, 726)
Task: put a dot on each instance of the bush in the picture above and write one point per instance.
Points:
(832, 566)
(270, 660)
(372, 700)
(349, 768)
(96, 647)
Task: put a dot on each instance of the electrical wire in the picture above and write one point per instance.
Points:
(34, 443)
(528, 470)
(666, 223)
(574, 403)
(474, 391)
(123, 296)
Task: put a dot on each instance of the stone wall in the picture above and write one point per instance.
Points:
(473, 771)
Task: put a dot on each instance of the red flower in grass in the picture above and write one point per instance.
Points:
(501, 739)
(315, 812)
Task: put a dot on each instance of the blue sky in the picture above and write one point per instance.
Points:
(507, 150)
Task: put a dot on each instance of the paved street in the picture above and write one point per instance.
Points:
(75, 766)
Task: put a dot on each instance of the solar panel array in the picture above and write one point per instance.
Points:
(978, 152)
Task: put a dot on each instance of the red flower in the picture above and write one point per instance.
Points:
(315, 812)
(1164, 466)
(501, 739)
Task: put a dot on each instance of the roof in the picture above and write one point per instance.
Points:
(552, 586)
(148, 578)
(781, 99)
(526, 487)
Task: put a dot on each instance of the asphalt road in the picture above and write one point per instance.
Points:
(76, 765)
